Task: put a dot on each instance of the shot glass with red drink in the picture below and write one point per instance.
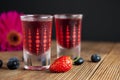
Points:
(68, 34)
(37, 31)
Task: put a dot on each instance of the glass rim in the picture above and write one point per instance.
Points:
(64, 16)
(36, 17)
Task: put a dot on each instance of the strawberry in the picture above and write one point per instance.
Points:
(62, 64)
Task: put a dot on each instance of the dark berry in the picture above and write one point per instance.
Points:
(44, 61)
(1, 63)
(78, 61)
(13, 63)
(95, 58)
(13, 59)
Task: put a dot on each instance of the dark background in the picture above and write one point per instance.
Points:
(100, 17)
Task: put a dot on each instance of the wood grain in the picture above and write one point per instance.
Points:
(107, 69)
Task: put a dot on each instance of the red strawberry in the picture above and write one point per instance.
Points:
(62, 64)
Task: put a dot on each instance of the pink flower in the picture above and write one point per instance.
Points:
(10, 31)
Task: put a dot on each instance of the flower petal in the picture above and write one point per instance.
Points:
(9, 21)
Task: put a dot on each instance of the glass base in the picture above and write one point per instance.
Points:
(36, 67)
(72, 52)
(36, 62)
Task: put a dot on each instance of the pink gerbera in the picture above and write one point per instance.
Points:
(10, 31)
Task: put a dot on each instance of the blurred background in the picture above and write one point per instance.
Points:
(100, 17)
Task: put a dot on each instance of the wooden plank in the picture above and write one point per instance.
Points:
(82, 72)
(85, 47)
(109, 69)
(89, 67)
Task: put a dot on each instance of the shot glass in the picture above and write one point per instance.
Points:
(68, 34)
(37, 31)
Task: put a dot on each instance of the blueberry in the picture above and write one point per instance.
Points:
(95, 58)
(78, 61)
(13, 63)
(1, 63)
(13, 59)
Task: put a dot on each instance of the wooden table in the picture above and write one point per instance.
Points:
(107, 69)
